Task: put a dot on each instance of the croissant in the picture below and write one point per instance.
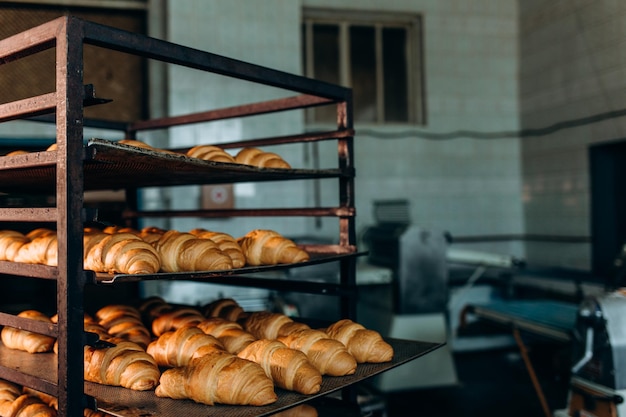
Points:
(8, 391)
(151, 234)
(175, 319)
(120, 229)
(226, 308)
(269, 325)
(17, 152)
(126, 364)
(42, 248)
(47, 399)
(151, 308)
(179, 347)
(10, 243)
(364, 344)
(302, 410)
(26, 406)
(259, 158)
(267, 247)
(218, 377)
(210, 153)
(53, 403)
(136, 143)
(123, 253)
(231, 334)
(125, 322)
(115, 310)
(181, 251)
(226, 243)
(287, 368)
(329, 356)
(25, 340)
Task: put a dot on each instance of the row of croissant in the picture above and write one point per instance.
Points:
(21, 401)
(216, 354)
(247, 156)
(151, 250)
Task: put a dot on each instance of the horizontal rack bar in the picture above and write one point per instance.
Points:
(243, 110)
(35, 326)
(283, 212)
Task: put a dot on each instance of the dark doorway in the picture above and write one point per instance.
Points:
(607, 164)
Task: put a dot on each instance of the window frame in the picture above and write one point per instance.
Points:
(343, 19)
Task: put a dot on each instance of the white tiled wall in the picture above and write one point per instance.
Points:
(572, 59)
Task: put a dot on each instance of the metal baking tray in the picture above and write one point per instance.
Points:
(128, 403)
(110, 165)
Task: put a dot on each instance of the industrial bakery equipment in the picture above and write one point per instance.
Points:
(598, 380)
(414, 306)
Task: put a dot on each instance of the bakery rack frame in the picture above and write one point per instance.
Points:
(76, 167)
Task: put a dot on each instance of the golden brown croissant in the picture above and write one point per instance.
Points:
(17, 152)
(42, 248)
(226, 308)
(136, 143)
(151, 308)
(267, 247)
(26, 406)
(259, 158)
(123, 253)
(47, 399)
(329, 356)
(9, 391)
(151, 234)
(364, 344)
(28, 341)
(218, 377)
(179, 347)
(226, 243)
(143, 145)
(10, 243)
(302, 410)
(125, 322)
(231, 334)
(269, 325)
(287, 368)
(126, 364)
(175, 319)
(120, 229)
(210, 153)
(181, 251)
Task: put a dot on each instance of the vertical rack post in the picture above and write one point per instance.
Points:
(69, 200)
(347, 229)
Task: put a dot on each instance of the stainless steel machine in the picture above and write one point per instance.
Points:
(598, 374)
(414, 305)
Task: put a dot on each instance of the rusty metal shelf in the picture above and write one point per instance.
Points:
(128, 403)
(110, 165)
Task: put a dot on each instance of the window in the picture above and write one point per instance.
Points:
(378, 55)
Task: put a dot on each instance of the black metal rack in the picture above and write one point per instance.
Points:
(76, 167)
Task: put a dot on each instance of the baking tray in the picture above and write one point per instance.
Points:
(112, 166)
(128, 403)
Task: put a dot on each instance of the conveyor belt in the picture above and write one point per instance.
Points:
(552, 319)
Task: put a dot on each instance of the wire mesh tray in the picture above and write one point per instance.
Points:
(128, 403)
(228, 276)
(110, 166)
(147, 404)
